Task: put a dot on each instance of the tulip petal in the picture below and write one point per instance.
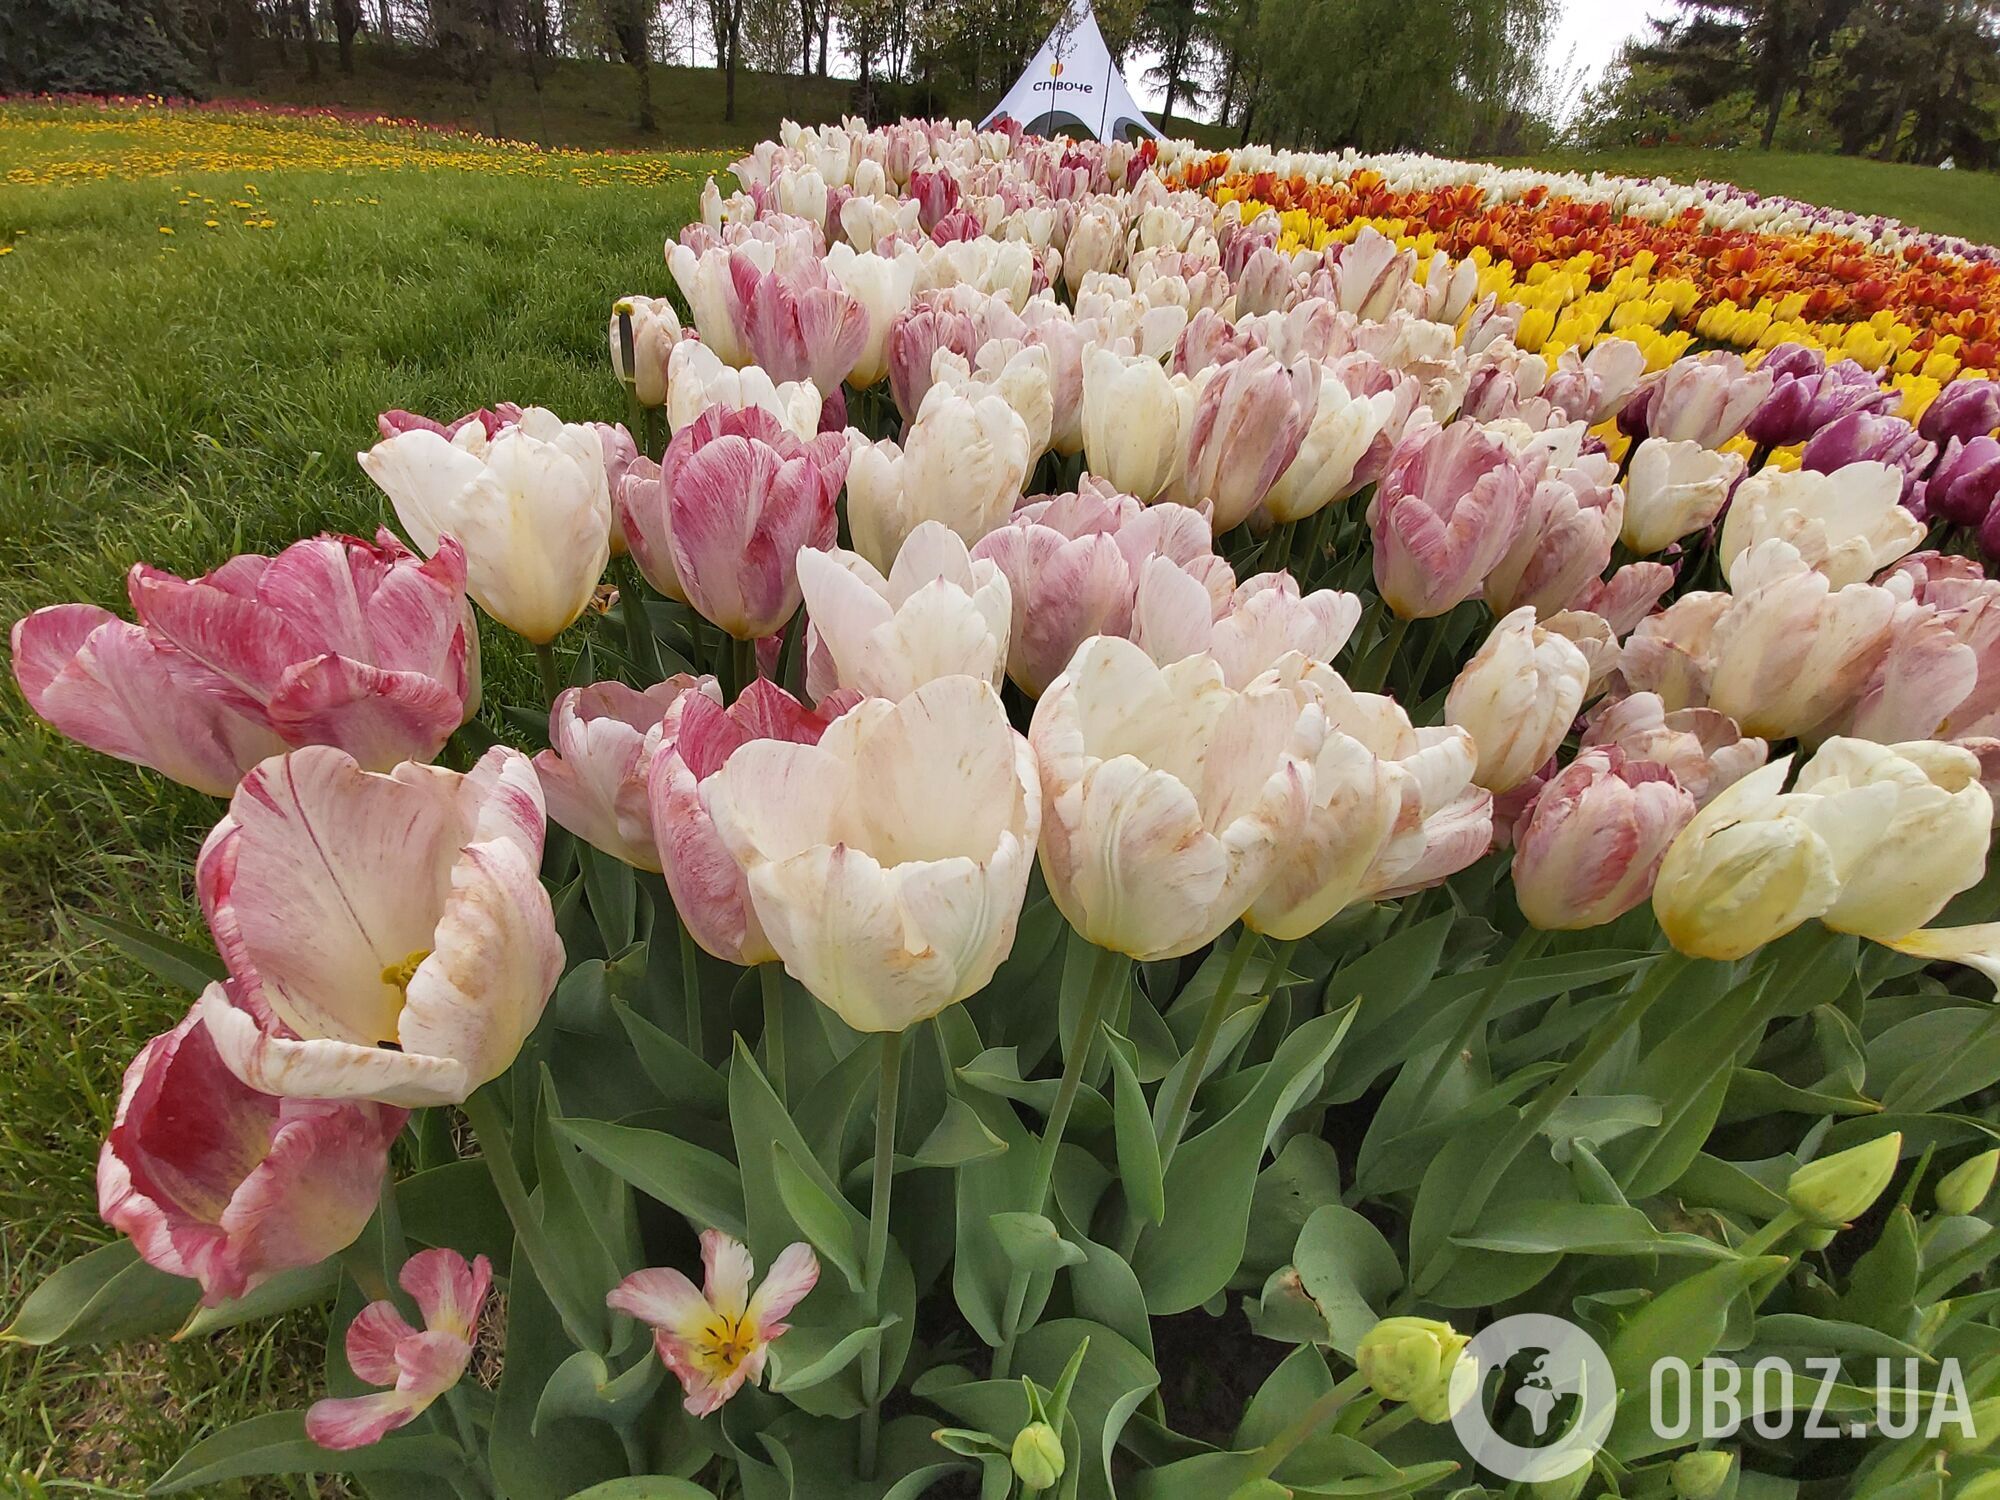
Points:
(343, 1422)
(327, 1069)
(727, 1271)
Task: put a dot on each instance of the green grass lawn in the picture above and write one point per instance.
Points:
(1962, 203)
(179, 398)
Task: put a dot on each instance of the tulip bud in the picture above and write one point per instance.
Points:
(1592, 841)
(1836, 1190)
(1964, 1187)
(1037, 1457)
(1701, 1475)
(1420, 1361)
(1985, 1417)
(1564, 1487)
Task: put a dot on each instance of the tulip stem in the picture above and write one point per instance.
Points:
(742, 666)
(496, 1146)
(1666, 968)
(690, 985)
(1107, 976)
(1384, 655)
(1173, 1122)
(878, 1242)
(1526, 946)
(545, 663)
(1761, 1242)
(773, 985)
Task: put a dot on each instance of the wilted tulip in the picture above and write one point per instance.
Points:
(1705, 399)
(531, 506)
(1134, 429)
(1420, 1361)
(697, 737)
(1907, 826)
(716, 1338)
(1171, 797)
(228, 1186)
(697, 380)
(1833, 1190)
(1592, 840)
(656, 332)
(1965, 483)
(1247, 422)
(1391, 806)
(962, 462)
(1264, 619)
(1791, 652)
(387, 937)
(1964, 410)
(383, 1349)
(602, 739)
(1807, 396)
(1446, 513)
(1748, 869)
(1673, 490)
(1865, 438)
(1518, 696)
(916, 821)
(1702, 748)
(737, 497)
(333, 641)
(1848, 525)
(883, 286)
(939, 613)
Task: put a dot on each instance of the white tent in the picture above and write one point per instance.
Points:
(1071, 84)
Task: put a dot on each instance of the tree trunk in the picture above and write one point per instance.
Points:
(643, 66)
(385, 28)
(346, 21)
(729, 64)
(825, 29)
(1773, 108)
(808, 9)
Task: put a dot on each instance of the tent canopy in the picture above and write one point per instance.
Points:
(1071, 85)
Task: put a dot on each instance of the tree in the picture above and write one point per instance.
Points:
(93, 46)
(1720, 47)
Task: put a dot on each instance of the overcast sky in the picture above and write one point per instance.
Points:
(1591, 31)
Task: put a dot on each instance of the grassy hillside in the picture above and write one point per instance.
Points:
(1964, 203)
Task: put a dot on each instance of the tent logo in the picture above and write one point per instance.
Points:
(1055, 70)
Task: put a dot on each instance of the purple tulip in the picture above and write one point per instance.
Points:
(1810, 396)
(1964, 410)
(1962, 487)
(1866, 437)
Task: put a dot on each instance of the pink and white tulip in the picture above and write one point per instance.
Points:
(1448, 510)
(887, 863)
(1848, 525)
(736, 498)
(799, 325)
(939, 612)
(717, 1338)
(697, 738)
(962, 462)
(602, 741)
(387, 936)
(1265, 618)
(530, 505)
(333, 641)
(1244, 430)
(1391, 805)
(383, 1349)
(1134, 425)
(217, 1182)
(1172, 798)
(1518, 696)
(1703, 749)
(1590, 845)
(697, 380)
(656, 333)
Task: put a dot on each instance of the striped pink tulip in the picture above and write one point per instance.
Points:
(385, 1350)
(335, 641)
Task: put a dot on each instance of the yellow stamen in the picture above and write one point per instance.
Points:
(726, 1342)
(399, 974)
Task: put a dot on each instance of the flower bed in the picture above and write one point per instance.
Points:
(1163, 791)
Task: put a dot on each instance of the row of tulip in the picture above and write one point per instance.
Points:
(1067, 788)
